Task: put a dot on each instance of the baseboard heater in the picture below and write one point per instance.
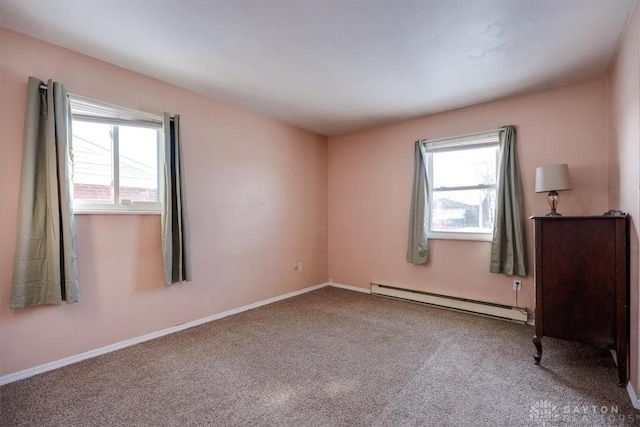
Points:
(461, 304)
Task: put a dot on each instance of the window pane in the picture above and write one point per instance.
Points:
(92, 168)
(138, 164)
(469, 211)
(467, 167)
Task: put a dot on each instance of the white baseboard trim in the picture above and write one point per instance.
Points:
(6, 379)
(632, 394)
(349, 287)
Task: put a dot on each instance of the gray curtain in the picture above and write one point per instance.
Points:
(509, 247)
(45, 264)
(417, 252)
(176, 237)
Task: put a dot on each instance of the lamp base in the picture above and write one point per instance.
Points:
(553, 199)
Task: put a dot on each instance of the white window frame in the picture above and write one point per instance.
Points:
(476, 140)
(89, 110)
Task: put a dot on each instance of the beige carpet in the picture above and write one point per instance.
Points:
(332, 358)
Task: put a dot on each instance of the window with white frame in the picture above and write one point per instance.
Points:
(462, 174)
(116, 158)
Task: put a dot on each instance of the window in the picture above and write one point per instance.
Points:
(462, 175)
(116, 158)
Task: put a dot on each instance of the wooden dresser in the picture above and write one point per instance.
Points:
(582, 282)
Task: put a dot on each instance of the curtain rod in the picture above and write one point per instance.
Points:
(463, 136)
(78, 97)
(44, 86)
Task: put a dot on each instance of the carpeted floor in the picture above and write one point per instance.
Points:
(332, 358)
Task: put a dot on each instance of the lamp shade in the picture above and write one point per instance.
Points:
(552, 178)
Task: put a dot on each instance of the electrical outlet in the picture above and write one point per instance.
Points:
(517, 285)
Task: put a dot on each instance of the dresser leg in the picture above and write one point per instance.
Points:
(622, 374)
(537, 341)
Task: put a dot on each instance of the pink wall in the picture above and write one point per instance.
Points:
(624, 167)
(370, 175)
(257, 196)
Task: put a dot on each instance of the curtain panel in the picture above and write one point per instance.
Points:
(417, 251)
(176, 237)
(509, 247)
(45, 262)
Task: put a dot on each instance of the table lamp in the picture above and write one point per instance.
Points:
(552, 179)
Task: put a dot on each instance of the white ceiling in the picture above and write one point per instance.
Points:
(334, 66)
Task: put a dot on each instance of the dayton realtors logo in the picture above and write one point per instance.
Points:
(545, 413)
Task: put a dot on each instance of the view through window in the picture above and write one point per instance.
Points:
(115, 163)
(462, 181)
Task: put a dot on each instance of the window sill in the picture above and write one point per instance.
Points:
(477, 237)
(113, 212)
(98, 208)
